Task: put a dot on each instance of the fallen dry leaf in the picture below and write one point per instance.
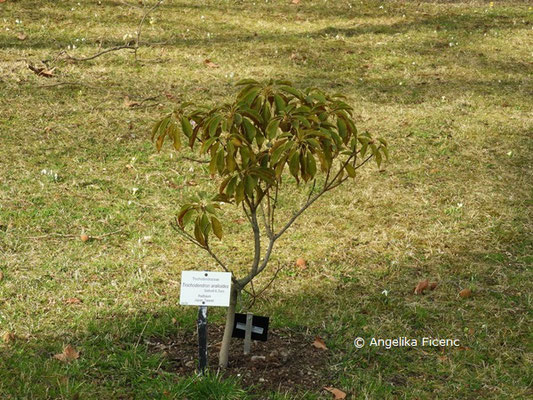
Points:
(84, 237)
(319, 343)
(422, 285)
(339, 394)
(210, 63)
(300, 263)
(69, 354)
(73, 300)
(8, 337)
(295, 2)
(433, 285)
(129, 103)
(1, 276)
(465, 293)
(47, 73)
(21, 36)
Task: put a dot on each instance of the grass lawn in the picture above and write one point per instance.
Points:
(447, 83)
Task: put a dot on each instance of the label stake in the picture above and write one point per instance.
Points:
(248, 333)
(202, 339)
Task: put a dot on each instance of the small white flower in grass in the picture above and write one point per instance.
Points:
(459, 205)
(385, 292)
(44, 172)
(134, 190)
(191, 169)
(510, 153)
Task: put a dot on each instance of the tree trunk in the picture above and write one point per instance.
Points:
(228, 330)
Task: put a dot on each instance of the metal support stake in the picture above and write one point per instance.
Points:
(202, 339)
(248, 333)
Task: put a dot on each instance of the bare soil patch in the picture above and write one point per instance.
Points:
(287, 361)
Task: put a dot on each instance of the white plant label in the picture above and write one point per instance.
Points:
(204, 288)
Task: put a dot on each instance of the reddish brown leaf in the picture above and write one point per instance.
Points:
(84, 237)
(339, 394)
(300, 263)
(73, 300)
(69, 354)
(295, 2)
(8, 337)
(433, 285)
(21, 36)
(465, 293)
(422, 285)
(319, 343)
(210, 63)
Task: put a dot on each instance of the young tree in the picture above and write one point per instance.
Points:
(250, 143)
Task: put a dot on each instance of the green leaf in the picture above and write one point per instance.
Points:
(230, 190)
(186, 126)
(341, 126)
(247, 82)
(205, 225)
(156, 128)
(295, 92)
(385, 152)
(239, 192)
(249, 185)
(310, 164)
(187, 217)
(350, 170)
(220, 161)
(198, 233)
(280, 103)
(217, 227)
(213, 125)
(294, 163)
(249, 129)
(272, 129)
(176, 136)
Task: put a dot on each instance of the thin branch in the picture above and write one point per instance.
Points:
(186, 235)
(195, 160)
(116, 48)
(64, 84)
(265, 220)
(312, 189)
(139, 29)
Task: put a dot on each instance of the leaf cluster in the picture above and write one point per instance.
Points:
(267, 129)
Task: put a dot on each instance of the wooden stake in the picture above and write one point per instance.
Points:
(202, 339)
(248, 333)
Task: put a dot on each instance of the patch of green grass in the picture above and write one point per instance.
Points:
(447, 84)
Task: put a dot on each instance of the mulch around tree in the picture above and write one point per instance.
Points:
(286, 362)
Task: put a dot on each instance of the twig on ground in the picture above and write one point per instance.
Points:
(61, 235)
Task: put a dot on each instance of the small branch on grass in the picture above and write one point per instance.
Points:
(61, 235)
(134, 47)
(116, 48)
(139, 29)
(65, 84)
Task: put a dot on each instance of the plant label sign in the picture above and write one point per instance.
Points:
(204, 288)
